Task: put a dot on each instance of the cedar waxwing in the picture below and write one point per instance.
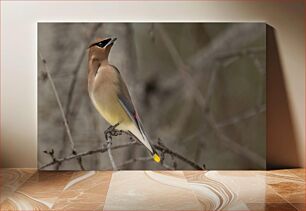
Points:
(110, 95)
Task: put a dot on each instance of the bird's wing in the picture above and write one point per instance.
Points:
(126, 102)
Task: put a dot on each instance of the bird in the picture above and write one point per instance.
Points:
(110, 95)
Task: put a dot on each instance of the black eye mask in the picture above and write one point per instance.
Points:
(103, 43)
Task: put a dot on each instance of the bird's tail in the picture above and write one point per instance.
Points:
(139, 134)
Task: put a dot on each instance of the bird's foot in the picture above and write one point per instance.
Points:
(117, 132)
(112, 131)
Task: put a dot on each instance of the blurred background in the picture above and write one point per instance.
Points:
(199, 87)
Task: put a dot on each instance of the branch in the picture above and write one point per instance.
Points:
(234, 37)
(250, 52)
(132, 160)
(75, 77)
(109, 151)
(233, 145)
(46, 71)
(160, 146)
(212, 55)
(51, 154)
(185, 71)
(241, 52)
(107, 148)
(77, 70)
(112, 131)
(182, 67)
(246, 115)
(90, 152)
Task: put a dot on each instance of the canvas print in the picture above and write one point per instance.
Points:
(151, 96)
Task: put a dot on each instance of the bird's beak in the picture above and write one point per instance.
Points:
(111, 42)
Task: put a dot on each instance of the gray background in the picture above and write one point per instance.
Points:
(200, 87)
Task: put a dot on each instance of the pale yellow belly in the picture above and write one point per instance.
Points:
(111, 110)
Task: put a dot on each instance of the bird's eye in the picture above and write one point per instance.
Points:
(103, 43)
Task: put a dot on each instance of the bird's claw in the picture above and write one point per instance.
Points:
(112, 131)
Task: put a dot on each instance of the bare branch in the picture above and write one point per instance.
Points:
(206, 58)
(59, 103)
(184, 70)
(160, 146)
(241, 52)
(109, 151)
(79, 160)
(239, 117)
(143, 159)
(233, 145)
(46, 70)
(182, 67)
(75, 77)
(90, 152)
(77, 70)
(246, 32)
(51, 154)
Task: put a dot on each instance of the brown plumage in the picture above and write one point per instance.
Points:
(110, 94)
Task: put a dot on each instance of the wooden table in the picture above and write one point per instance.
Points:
(28, 189)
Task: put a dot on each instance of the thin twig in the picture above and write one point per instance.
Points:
(77, 70)
(109, 151)
(143, 159)
(235, 146)
(75, 75)
(164, 148)
(46, 71)
(161, 147)
(239, 117)
(247, 33)
(203, 101)
(53, 158)
(51, 154)
(241, 52)
(182, 67)
(185, 73)
(90, 152)
(112, 131)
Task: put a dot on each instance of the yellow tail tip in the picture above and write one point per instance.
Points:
(156, 158)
